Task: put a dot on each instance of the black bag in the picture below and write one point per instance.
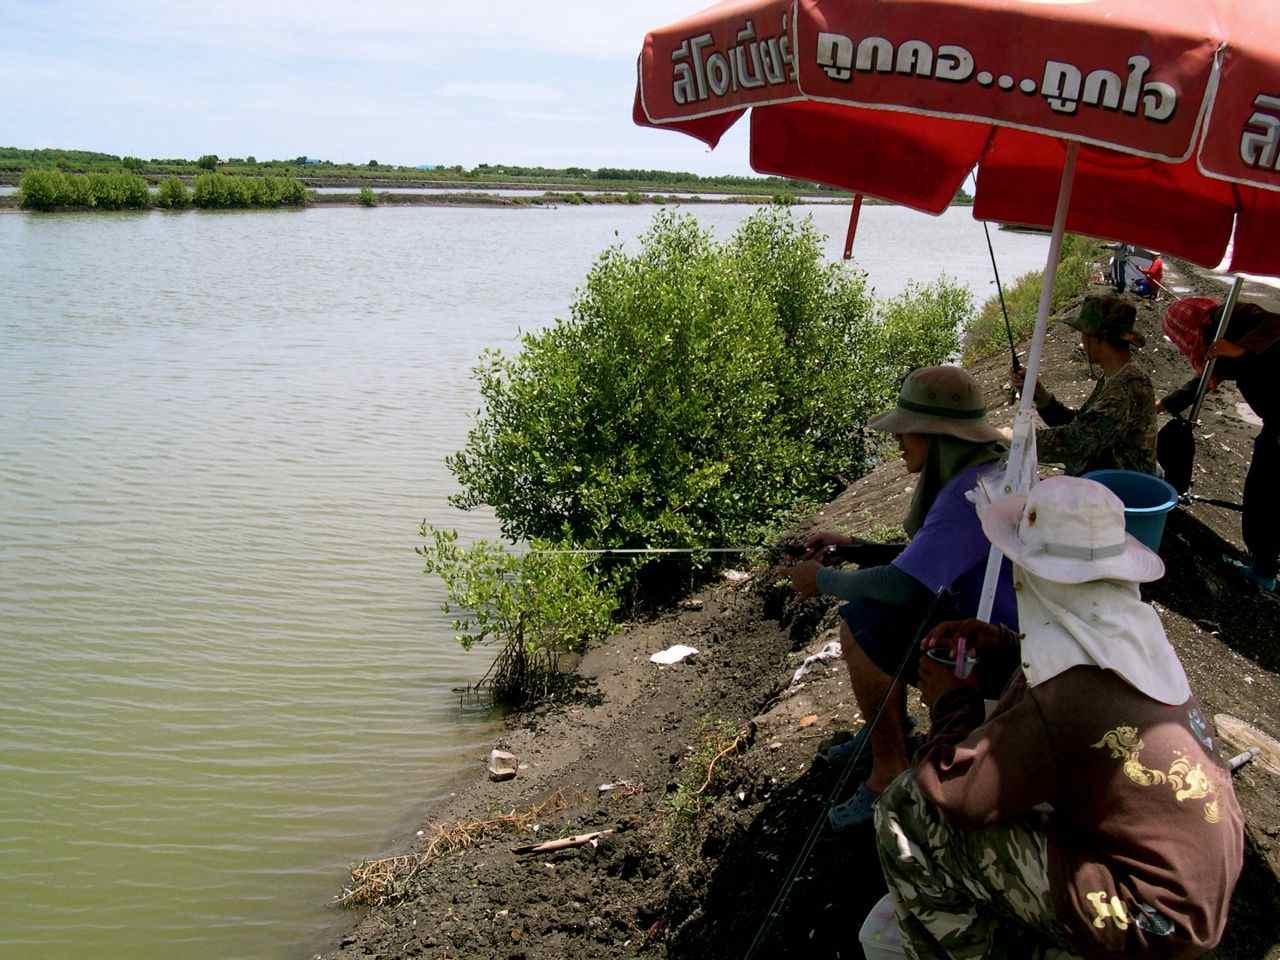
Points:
(1176, 452)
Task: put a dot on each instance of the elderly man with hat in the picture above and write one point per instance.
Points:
(1089, 815)
(941, 427)
(1116, 427)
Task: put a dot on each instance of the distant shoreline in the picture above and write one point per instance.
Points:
(534, 199)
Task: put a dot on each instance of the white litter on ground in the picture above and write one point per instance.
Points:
(673, 654)
(830, 652)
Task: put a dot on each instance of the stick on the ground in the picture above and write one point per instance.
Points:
(564, 844)
(737, 741)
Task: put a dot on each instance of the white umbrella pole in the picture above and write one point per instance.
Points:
(1017, 473)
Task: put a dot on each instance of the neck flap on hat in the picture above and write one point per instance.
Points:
(947, 456)
(1103, 623)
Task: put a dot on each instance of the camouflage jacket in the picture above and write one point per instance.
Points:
(1114, 430)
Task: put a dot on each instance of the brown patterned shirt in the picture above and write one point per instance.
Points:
(1114, 430)
(1146, 839)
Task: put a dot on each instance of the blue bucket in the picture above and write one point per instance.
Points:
(1147, 502)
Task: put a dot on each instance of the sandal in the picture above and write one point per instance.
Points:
(857, 811)
(1246, 570)
(840, 753)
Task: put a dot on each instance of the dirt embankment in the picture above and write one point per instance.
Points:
(700, 848)
(477, 198)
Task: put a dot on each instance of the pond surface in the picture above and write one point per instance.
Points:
(223, 677)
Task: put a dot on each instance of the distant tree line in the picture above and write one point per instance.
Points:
(16, 161)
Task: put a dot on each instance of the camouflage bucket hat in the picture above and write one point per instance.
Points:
(1108, 318)
(939, 400)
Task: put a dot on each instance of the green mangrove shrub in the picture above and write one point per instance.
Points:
(697, 389)
(221, 191)
(173, 195)
(119, 191)
(53, 189)
(537, 607)
(367, 197)
(40, 190)
(987, 335)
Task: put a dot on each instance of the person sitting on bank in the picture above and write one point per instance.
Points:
(941, 428)
(1116, 428)
(1143, 845)
(1249, 354)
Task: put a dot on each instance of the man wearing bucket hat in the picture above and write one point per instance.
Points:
(1143, 844)
(1116, 427)
(940, 423)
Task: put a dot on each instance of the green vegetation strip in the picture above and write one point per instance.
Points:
(15, 161)
(55, 190)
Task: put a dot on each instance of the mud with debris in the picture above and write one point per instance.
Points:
(710, 762)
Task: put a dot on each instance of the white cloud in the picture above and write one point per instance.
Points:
(503, 92)
(385, 30)
(493, 81)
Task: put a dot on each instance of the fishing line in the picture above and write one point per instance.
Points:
(812, 840)
(628, 551)
(1008, 328)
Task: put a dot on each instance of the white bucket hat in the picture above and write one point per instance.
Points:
(1069, 530)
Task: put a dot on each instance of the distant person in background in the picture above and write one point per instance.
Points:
(1148, 284)
(1089, 816)
(1116, 427)
(941, 428)
(1249, 354)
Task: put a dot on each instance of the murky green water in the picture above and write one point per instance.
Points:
(222, 676)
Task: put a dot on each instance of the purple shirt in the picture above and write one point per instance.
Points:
(950, 551)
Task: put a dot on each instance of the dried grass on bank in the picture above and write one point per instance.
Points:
(375, 883)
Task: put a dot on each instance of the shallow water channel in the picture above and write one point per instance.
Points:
(223, 677)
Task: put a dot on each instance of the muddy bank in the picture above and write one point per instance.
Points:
(715, 754)
(477, 198)
(603, 186)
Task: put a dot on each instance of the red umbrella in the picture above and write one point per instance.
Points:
(901, 99)
(1164, 118)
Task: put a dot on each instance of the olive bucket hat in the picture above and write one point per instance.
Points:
(1108, 318)
(945, 400)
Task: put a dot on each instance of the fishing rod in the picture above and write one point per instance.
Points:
(842, 781)
(831, 553)
(1187, 499)
(1008, 328)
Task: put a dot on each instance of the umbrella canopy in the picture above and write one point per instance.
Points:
(1175, 108)
(1162, 121)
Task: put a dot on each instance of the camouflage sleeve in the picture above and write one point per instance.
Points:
(998, 772)
(1097, 428)
(1055, 413)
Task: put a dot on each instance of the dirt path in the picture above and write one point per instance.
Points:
(691, 874)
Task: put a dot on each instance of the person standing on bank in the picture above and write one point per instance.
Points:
(1249, 354)
(1142, 847)
(1116, 427)
(941, 428)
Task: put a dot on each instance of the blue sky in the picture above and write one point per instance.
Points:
(436, 81)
